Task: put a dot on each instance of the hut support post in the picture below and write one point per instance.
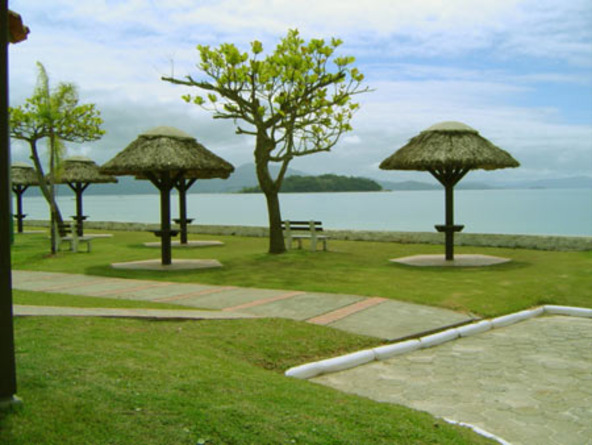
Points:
(165, 219)
(18, 191)
(449, 191)
(449, 178)
(165, 183)
(79, 188)
(182, 187)
(7, 351)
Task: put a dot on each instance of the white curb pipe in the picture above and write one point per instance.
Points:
(568, 310)
(354, 359)
(439, 338)
(388, 351)
(474, 328)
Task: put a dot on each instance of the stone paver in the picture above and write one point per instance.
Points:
(529, 383)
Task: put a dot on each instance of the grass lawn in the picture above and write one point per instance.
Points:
(105, 381)
(350, 267)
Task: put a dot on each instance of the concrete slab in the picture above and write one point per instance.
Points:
(22, 277)
(188, 244)
(463, 260)
(528, 383)
(304, 306)
(181, 264)
(161, 314)
(171, 290)
(107, 287)
(48, 283)
(229, 298)
(396, 319)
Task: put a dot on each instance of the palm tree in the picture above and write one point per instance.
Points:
(53, 114)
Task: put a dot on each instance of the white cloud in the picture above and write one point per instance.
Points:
(429, 61)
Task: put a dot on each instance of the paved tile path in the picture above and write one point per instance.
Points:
(529, 383)
(377, 317)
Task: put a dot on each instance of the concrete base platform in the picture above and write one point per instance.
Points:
(176, 265)
(189, 244)
(467, 260)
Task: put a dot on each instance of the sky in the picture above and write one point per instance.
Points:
(518, 71)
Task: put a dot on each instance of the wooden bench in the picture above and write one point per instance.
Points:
(67, 233)
(311, 227)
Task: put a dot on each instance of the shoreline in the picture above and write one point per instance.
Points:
(519, 241)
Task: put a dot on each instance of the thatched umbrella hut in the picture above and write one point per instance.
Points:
(449, 150)
(165, 156)
(79, 172)
(22, 175)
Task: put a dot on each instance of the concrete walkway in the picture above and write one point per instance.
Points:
(376, 317)
(528, 383)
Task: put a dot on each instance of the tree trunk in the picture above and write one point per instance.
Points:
(55, 214)
(276, 234)
(271, 190)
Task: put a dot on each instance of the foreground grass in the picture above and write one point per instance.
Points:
(102, 381)
(350, 267)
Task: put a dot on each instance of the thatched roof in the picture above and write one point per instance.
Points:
(82, 169)
(449, 145)
(168, 149)
(17, 31)
(23, 174)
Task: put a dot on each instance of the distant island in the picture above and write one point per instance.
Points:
(245, 177)
(323, 183)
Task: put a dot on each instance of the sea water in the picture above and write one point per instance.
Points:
(529, 211)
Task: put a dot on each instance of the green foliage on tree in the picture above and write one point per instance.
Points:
(323, 183)
(55, 115)
(295, 101)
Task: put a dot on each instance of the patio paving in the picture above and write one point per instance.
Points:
(528, 383)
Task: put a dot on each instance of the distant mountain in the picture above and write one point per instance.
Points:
(469, 185)
(244, 176)
(574, 182)
(407, 185)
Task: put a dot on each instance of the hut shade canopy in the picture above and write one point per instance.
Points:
(449, 145)
(166, 149)
(449, 150)
(84, 170)
(23, 174)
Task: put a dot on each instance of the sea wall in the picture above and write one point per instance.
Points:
(537, 242)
